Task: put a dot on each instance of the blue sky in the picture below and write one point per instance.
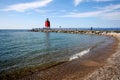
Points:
(27, 14)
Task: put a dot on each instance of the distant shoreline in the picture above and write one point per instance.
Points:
(79, 29)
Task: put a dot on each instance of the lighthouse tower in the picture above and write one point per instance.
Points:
(47, 24)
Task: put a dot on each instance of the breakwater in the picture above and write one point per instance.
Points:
(99, 32)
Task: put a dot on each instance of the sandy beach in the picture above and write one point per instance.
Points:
(111, 70)
(97, 67)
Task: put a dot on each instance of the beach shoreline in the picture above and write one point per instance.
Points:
(82, 68)
(78, 69)
(111, 70)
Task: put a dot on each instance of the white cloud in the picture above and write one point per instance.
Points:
(111, 16)
(108, 12)
(85, 14)
(27, 6)
(41, 11)
(111, 7)
(77, 2)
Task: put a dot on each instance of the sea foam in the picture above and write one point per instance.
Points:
(77, 55)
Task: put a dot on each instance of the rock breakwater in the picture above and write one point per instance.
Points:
(98, 32)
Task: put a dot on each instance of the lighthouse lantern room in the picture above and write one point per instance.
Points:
(47, 23)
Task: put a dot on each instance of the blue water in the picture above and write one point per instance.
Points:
(21, 48)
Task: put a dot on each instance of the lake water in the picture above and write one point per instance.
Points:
(23, 49)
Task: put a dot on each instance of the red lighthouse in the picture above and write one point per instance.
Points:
(47, 23)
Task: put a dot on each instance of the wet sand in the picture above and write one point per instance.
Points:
(83, 68)
(111, 70)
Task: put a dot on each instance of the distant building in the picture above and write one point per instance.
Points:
(47, 23)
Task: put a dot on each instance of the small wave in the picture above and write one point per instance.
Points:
(77, 55)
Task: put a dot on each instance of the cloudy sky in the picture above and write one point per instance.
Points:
(27, 14)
